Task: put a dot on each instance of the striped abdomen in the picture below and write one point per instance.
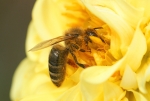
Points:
(57, 63)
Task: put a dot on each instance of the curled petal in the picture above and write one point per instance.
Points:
(113, 91)
(142, 76)
(44, 14)
(144, 4)
(93, 78)
(127, 83)
(73, 94)
(147, 74)
(122, 32)
(76, 76)
(146, 29)
(129, 58)
(148, 91)
(128, 12)
(138, 96)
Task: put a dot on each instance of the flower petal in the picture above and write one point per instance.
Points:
(144, 4)
(122, 32)
(52, 17)
(32, 39)
(40, 97)
(138, 96)
(44, 14)
(93, 78)
(76, 76)
(142, 76)
(148, 91)
(18, 78)
(132, 58)
(73, 94)
(113, 91)
(128, 12)
(127, 83)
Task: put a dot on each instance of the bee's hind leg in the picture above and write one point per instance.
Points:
(75, 59)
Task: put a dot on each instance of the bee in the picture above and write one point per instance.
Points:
(75, 39)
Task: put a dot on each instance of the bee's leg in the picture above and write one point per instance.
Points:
(100, 36)
(91, 32)
(98, 28)
(74, 46)
(75, 59)
(82, 50)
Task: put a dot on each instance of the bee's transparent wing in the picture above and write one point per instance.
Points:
(50, 42)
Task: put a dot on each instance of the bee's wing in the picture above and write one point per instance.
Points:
(50, 42)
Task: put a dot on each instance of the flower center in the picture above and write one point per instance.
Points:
(76, 15)
(100, 47)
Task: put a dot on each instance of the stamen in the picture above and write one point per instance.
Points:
(71, 10)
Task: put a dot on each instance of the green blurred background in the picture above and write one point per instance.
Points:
(15, 16)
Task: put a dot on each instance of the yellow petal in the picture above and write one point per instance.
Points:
(40, 97)
(93, 78)
(113, 92)
(32, 39)
(76, 76)
(144, 4)
(142, 76)
(73, 94)
(52, 17)
(138, 44)
(45, 13)
(129, 79)
(128, 12)
(138, 96)
(18, 78)
(146, 30)
(148, 91)
(147, 74)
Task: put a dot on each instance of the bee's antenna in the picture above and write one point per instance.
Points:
(98, 28)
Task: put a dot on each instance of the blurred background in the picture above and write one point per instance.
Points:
(15, 16)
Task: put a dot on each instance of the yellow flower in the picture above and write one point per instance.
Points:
(119, 60)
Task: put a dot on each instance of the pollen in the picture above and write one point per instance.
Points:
(100, 47)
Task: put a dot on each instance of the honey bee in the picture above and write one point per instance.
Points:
(75, 39)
